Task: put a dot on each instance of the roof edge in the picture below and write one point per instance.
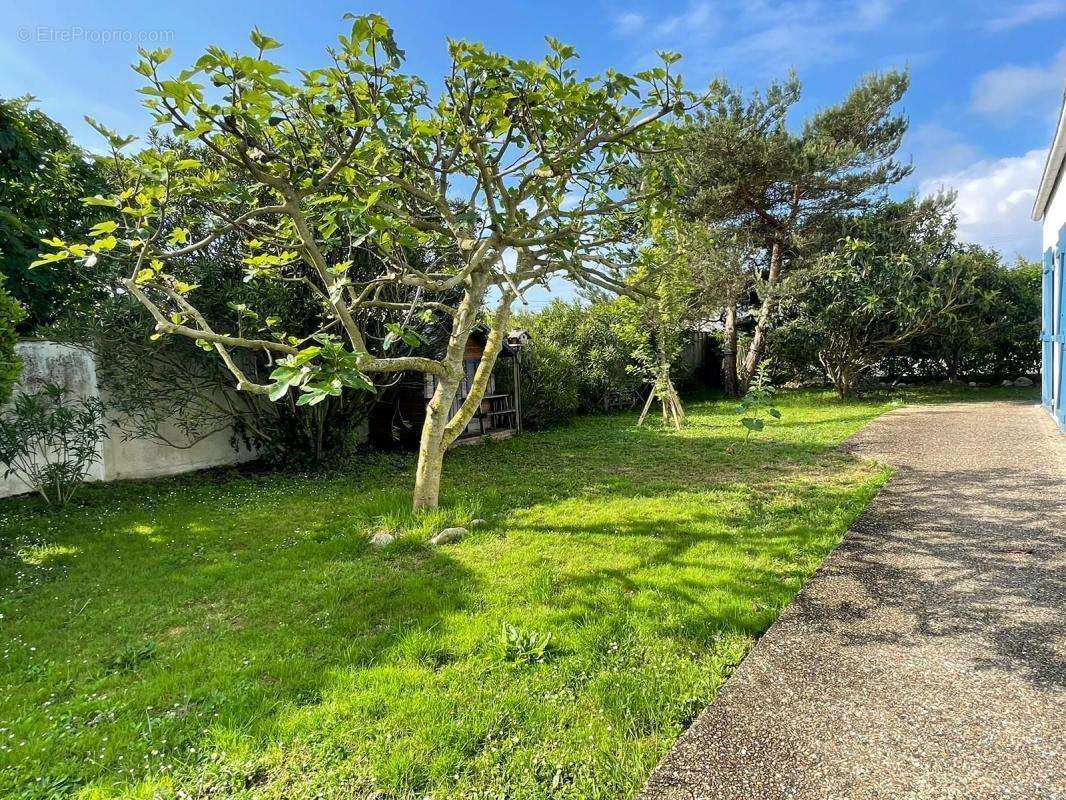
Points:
(1053, 166)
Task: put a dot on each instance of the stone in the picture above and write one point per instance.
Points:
(1024, 381)
(972, 384)
(1007, 382)
(449, 535)
(382, 539)
(477, 523)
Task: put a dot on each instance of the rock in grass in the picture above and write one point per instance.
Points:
(477, 523)
(1007, 382)
(382, 539)
(1024, 381)
(449, 535)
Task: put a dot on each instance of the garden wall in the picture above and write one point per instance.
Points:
(49, 362)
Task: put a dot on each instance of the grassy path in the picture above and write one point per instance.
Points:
(235, 635)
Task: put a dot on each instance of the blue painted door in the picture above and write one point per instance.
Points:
(1060, 330)
(1047, 329)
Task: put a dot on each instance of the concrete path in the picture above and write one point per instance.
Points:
(927, 657)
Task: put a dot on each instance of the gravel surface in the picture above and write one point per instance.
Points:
(927, 657)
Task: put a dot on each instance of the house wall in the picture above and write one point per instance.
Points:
(49, 362)
(1053, 328)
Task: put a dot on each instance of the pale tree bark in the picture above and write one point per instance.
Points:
(431, 446)
(762, 324)
(439, 431)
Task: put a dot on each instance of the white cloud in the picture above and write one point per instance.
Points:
(629, 23)
(1014, 90)
(937, 150)
(697, 20)
(994, 200)
(771, 36)
(1027, 13)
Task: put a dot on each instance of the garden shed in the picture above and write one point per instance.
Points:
(398, 418)
(1050, 209)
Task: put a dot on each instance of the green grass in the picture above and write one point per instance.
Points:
(228, 635)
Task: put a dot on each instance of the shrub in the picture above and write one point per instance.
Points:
(588, 358)
(600, 340)
(996, 335)
(991, 332)
(549, 384)
(11, 314)
(43, 177)
(50, 441)
(757, 405)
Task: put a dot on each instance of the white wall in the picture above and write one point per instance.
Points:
(1055, 215)
(48, 362)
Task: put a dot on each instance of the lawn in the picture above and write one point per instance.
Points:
(234, 635)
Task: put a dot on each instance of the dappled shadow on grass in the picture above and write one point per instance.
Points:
(235, 625)
(732, 566)
(272, 621)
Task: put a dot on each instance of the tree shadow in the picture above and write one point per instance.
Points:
(965, 553)
(264, 597)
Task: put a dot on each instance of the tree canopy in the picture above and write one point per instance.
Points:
(43, 177)
(517, 171)
(893, 275)
(744, 167)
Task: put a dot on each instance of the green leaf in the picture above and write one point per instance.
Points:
(103, 228)
(262, 41)
(104, 244)
(49, 258)
(97, 200)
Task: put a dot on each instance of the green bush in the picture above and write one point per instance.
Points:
(599, 339)
(549, 384)
(995, 336)
(50, 440)
(43, 177)
(11, 314)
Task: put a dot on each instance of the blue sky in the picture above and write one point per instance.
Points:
(987, 77)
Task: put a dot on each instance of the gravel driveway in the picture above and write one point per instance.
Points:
(927, 657)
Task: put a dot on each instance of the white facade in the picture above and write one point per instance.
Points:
(48, 362)
(1050, 210)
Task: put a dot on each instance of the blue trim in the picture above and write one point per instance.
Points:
(1047, 355)
(1053, 333)
(1060, 330)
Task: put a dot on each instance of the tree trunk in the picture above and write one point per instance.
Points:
(762, 324)
(844, 373)
(844, 385)
(438, 431)
(729, 352)
(433, 442)
(432, 445)
(954, 365)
